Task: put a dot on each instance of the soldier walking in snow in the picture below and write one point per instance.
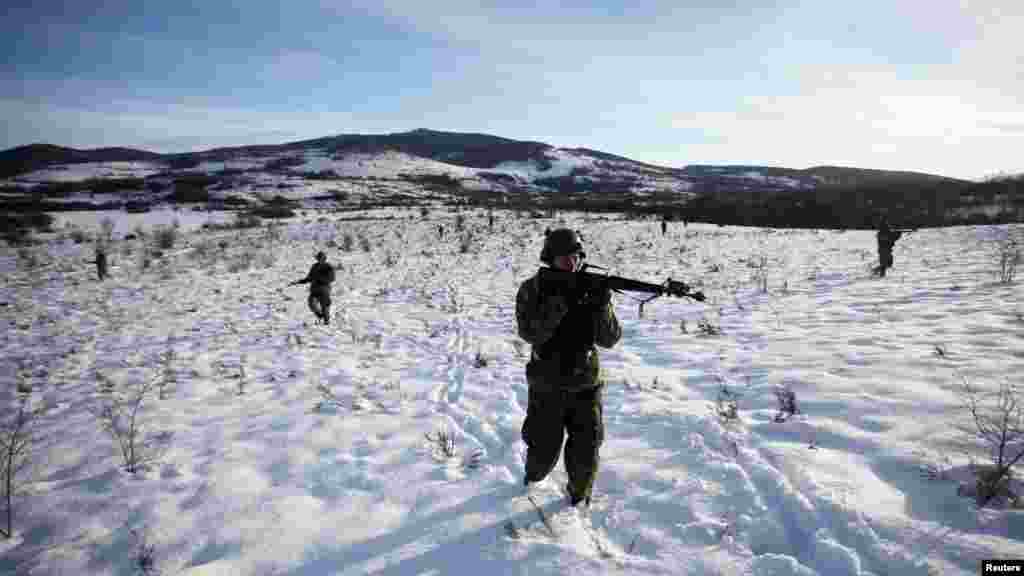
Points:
(319, 278)
(563, 324)
(100, 262)
(887, 238)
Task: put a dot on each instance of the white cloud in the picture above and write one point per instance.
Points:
(868, 117)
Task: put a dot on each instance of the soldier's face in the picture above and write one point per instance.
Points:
(568, 262)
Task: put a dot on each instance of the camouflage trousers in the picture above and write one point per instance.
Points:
(553, 416)
(320, 304)
(885, 262)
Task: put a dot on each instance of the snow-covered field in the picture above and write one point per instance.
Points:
(260, 474)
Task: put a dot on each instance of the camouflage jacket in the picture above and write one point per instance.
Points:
(887, 238)
(319, 278)
(563, 328)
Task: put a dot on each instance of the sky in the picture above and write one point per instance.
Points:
(925, 85)
(256, 470)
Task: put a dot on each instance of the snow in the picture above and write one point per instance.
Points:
(85, 171)
(261, 476)
(562, 163)
(387, 164)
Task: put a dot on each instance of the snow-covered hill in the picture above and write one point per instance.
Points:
(404, 163)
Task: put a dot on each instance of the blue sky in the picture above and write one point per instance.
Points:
(929, 85)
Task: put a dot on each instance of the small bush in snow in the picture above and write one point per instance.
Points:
(243, 377)
(121, 416)
(466, 243)
(17, 439)
(760, 275)
(364, 243)
(706, 327)
(78, 236)
(996, 426)
(144, 554)
(27, 258)
(443, 447)
(165, 237)
(346, 243)
(786, 399)
(168, 378)
(442, 443)
(727, 404)
(327, 397)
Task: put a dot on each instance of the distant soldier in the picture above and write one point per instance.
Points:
(664, 226)
(100, 262)
(440, 232)
(319, 278)
(887, 238)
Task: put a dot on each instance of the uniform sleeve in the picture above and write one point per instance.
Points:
(309, 276)
(607, 330)
(538, 316)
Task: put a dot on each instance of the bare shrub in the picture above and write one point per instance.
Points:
(347, 243)
(760, 275)
(996, 426)
(364, 243)
(786, 399)
(466, 243)
(17, 439)
(707, 327)
(443, 447)
(27, 258)
(120, 414)
(144, 554)
(727, 404)
(78, 236)
(165, 237)
(442, 443)
(243, 376)
(168, 379)
(247, 220)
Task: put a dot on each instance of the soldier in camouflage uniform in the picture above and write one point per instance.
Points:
(563, 325)
(887, 238)
(319, 278)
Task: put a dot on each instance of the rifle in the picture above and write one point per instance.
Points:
(589, 281)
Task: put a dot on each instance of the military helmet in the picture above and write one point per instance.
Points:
(321, 256)
(560, 242)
